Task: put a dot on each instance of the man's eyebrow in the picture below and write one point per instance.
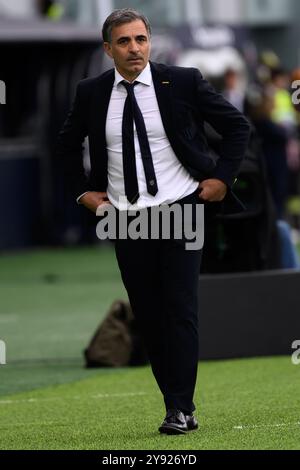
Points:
(122, 38)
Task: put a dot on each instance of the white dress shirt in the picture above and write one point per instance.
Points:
(173, 180)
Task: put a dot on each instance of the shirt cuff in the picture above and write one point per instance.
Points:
(79, 197)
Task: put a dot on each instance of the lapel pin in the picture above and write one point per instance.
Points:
(165, 83)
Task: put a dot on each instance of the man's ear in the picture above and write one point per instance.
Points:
(107, 49)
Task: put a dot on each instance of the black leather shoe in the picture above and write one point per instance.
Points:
(191, 422)
(174, 423)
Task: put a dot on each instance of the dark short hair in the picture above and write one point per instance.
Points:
(122, 16)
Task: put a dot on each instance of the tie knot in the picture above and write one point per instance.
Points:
(129, 86)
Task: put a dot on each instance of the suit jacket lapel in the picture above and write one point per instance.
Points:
(163, 86)
(100, 105)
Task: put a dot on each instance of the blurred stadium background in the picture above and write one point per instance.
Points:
(57, 280)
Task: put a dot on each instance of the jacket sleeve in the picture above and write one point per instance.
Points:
(230, 123)
(71, 145)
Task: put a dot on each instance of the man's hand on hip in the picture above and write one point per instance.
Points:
(212, 190)
(93, 199)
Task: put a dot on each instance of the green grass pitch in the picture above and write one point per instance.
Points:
(51, 302)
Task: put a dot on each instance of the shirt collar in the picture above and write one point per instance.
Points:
(144, 77)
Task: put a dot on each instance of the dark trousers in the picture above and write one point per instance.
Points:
(161, 279)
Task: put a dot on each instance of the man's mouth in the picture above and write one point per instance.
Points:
(134, 59)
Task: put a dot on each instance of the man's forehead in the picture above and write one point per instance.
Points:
(134, 28)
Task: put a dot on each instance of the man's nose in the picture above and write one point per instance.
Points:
(134, 47)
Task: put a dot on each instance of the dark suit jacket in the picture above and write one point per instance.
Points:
(185, 101)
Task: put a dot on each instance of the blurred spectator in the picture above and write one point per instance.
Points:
(52, 9)
(284, 114)
(289, 255)
(295, 76)
(274, 142)
(294, 147)
(232, 91)
(283, 111)
(268, 61)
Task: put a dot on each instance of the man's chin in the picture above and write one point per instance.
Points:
(138, 64)
(136, 68)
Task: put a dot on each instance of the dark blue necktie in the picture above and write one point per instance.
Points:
(132, 112)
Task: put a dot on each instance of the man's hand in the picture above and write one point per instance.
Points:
(212, 190)
(92, 200)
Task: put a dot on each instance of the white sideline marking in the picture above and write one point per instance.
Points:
(39, 424)
(6, 318)
(255, 426)
(108, 395)
(99, 395)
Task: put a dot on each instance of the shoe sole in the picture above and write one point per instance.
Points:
(170, 430)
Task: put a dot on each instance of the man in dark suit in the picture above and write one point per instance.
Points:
(145, 124)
